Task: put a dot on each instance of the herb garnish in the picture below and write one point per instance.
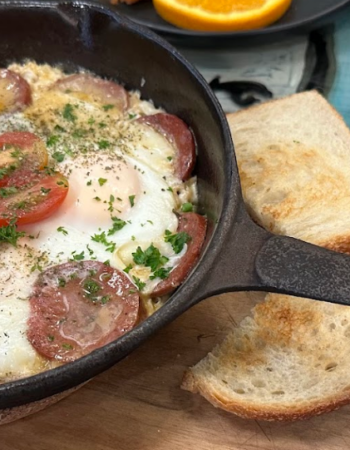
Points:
(161, 273)
(140, 284)
(118, 224)
(101, 238)
(132, 200)
(78, 256)
(52, 140)
(151, 257)
(7, 191)
(62, 230)
(10, 234)
(91, 289)
(58, 156)
(68, 113)
(107, 107)
(177, 240)
(103, 144)
(187, 207)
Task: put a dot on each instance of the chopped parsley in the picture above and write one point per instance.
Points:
(58, 156)
(62, 183)
(61, 282)
(132, 200)
(91, 290)
(132, 116)
(101, 238)
(107, 107)
(52, 140)
(49, 170)
(140, 284)
(110, 203)
(68, 113)
(187, 207)
(45, 191)
(3, 172)
(79, 133)
(67, 346)
(10, 234)
(6, 170)
(127, 268)
(151, 257)
(78, 256)
(7, 191)
(103, 144)
(118, 224)
(161, 273)
(62, 230)
(177, 240)
(59, 128)
(21, 205)
(91, 287)
(169, 158)
(102, 181)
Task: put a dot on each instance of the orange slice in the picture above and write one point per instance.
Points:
(221, 15)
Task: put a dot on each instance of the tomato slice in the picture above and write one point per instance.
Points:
(33, 202)
(20, 153)
(77, 307)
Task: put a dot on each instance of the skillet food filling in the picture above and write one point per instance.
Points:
(97, 214)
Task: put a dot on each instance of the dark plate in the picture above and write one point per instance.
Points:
(301, 15)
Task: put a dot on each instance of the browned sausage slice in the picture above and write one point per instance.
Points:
(180, 136)
(77, 307)
(195, 226)
(15, 93)
(104, 91)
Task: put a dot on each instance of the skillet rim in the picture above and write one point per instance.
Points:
(50, 382)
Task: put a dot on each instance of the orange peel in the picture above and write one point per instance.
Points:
(221, 15)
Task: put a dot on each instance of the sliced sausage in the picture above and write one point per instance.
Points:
(106, 92)
(15, 92)
(195, 226)
(180, 136)
(78, 307)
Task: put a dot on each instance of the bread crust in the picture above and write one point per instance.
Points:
(281, 413)
(300, 188)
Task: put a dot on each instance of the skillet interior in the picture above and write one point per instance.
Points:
(76, 35)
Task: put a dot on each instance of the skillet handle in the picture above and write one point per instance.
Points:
(256, 260)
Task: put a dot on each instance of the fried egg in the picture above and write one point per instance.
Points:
(123, 192)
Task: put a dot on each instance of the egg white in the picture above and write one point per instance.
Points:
(118, 159)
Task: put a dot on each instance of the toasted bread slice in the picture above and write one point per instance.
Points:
(291, 360)
(294, 162)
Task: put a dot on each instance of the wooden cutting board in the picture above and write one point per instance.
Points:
(138, 405)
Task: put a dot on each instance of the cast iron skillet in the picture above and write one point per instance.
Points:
(238, 255)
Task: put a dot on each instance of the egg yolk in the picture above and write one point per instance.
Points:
(106, 189)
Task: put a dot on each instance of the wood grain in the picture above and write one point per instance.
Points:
(138, 405)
